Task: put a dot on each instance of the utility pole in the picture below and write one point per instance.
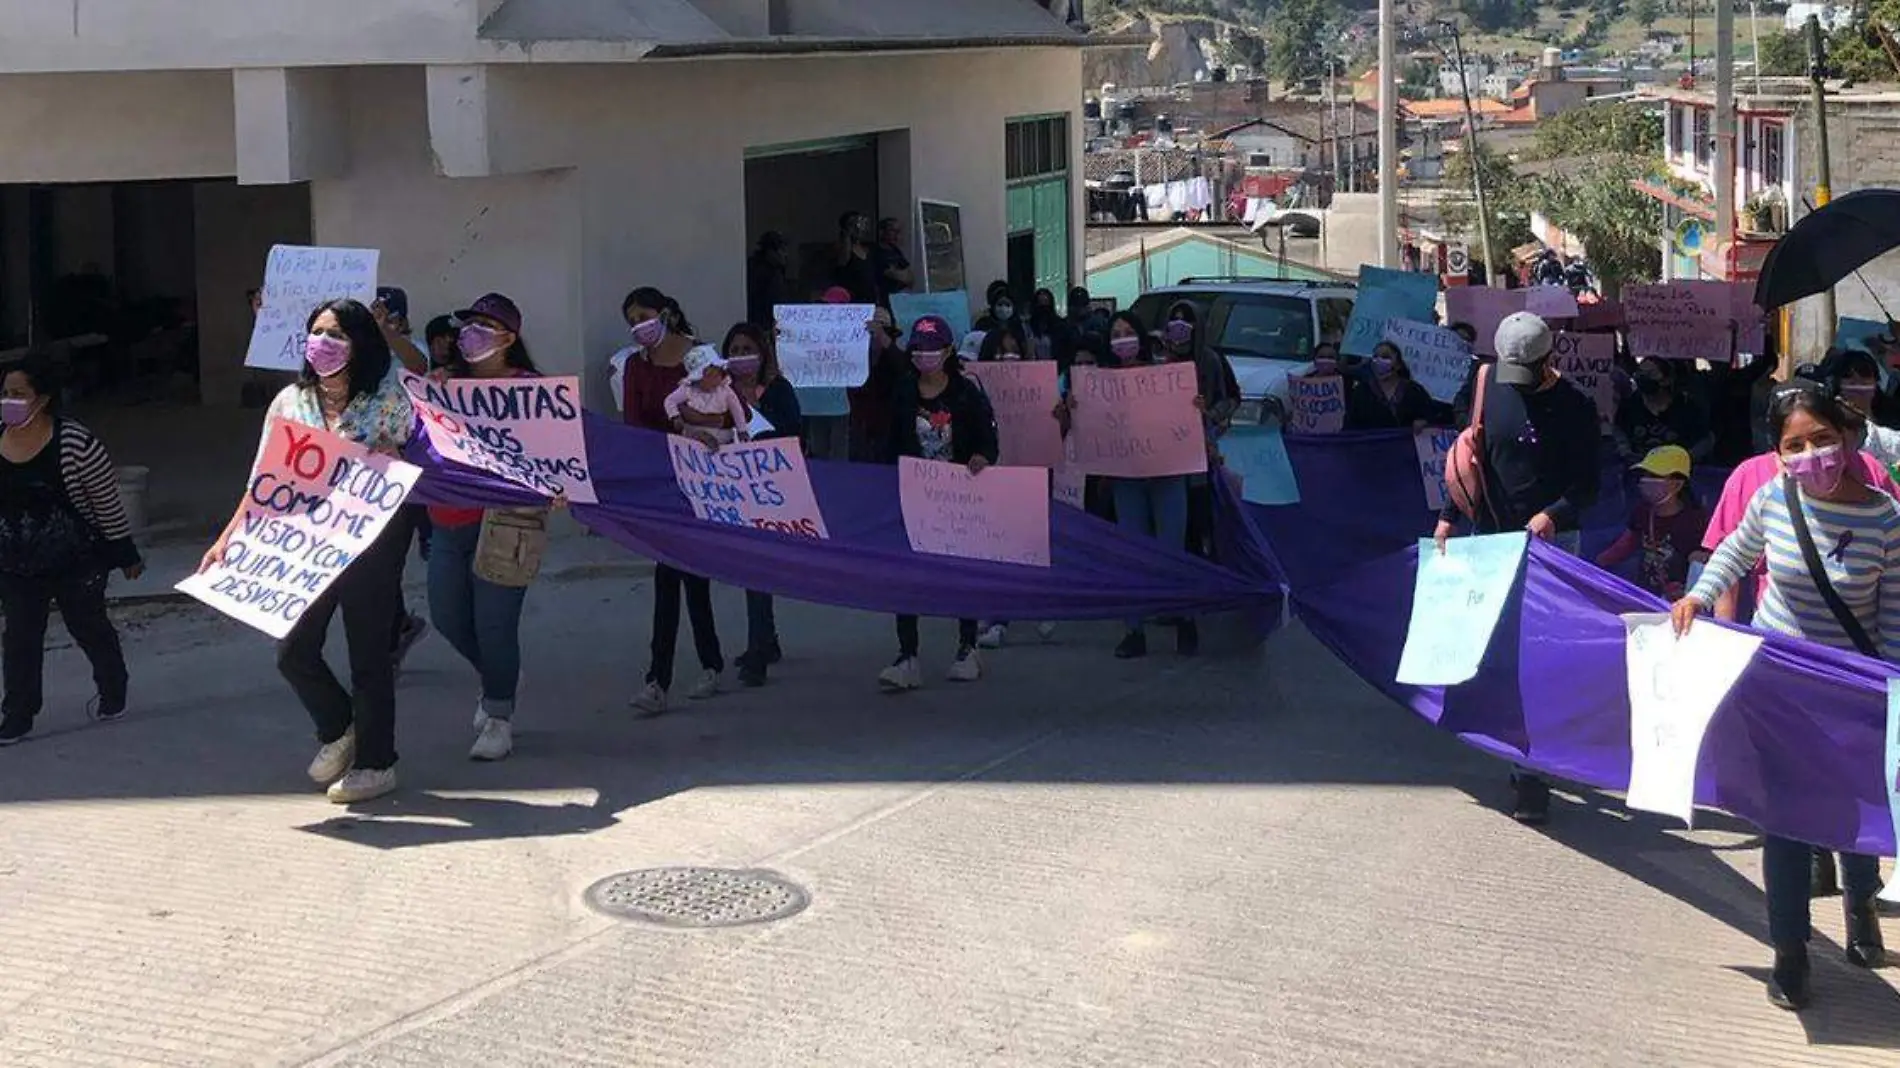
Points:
(1492, 275)
(1388, 134)
(1352, 146)
(1823, 188)
(1725, 133)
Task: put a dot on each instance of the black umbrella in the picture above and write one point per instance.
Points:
(1828, 245)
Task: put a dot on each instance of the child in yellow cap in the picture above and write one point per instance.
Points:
(1666, 526)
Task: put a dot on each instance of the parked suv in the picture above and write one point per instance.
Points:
(1266, 328)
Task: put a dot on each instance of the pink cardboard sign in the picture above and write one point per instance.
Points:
(1137, 422)
(1317, 404)
(1550, 302)
(526, 430)
(1001, 514)
(314, 503)
(1588, 361)
(1681, 321)
(1484, 308)
(1023, 395)
(760, 484)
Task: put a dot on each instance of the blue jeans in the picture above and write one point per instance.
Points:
(480, 619)
(1784, 876)
(1153, 507)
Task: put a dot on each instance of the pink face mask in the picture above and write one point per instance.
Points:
(648, 334)
(328, 356)
(15, 412)
(744, 366)
(1125, 348)
(927, 363)
(1656, 490)
(1818, 470)
(479, 343)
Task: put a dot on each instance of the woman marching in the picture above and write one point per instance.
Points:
(753, 364)
(664, 338)
(482, 560)
(349, 387)
(1832, 546)
(62, 528)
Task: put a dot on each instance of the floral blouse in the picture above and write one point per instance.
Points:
(380, 420)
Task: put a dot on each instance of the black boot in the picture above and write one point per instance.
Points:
(1134, 646)
(1187, 639)
(1864, 945)
(1788, 983)
(751, 665)
(1823, 880)
(1532, 805)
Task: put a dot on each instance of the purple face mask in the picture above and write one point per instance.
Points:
(327, 355)
(1178, 333)
(15, 412)
(744, 366)
(648, 334)
(1125, 348)
(927, 363)
(1383, 366)
(479, 343)
(1818, 470)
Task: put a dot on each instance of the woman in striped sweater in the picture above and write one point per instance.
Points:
(62, 528)
(1855, 531)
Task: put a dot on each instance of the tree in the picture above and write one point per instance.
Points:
(1619, 227)
(1296, 53)
(1646, 12)
(1625, 128)
(1784, 55)
(1508, 218)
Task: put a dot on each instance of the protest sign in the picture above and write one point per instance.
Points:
(297, 279)
(1137, 422)
(1551, 302)
(1433, 445)
(1456, 601)
(315, 503)
(1438, 359)
(526, 430)
(1484, 308)
(1852, 333)
(1587, 360)
(953, 305)
(1316, 404)
(1681, 321)
(1257, 455)
(1001, 514)
(759, 484)
(824, 346)
(1676, 684)
(1069, 486)
(1023, 395)
(1386, 294)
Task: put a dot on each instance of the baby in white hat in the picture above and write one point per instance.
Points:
(705, 405)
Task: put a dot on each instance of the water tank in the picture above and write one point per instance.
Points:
(1091, 109)
(1125, 110)
(1163, 124)
(1553, 61)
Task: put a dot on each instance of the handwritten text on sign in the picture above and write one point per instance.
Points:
(824, 346)
(1587, 360)
(1317, 404)
(526, 430)
(1386, 294)
(1438, 359)
(759, 484)
(1433, 445)
(297, 279)
(1137, 422)
(1459, 595)
(1023, 395)
(1680, 320)
(1001, 514)
(1676, 685)
(314, 504)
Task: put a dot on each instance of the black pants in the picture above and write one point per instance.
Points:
(368, 594)
(668, 584)
(1200, 525)
(81, 596)
(907, 635)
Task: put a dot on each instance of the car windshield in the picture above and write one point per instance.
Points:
(1274, 328)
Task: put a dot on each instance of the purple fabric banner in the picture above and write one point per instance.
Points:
(1098, 572)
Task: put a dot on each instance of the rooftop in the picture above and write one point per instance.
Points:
(1157, 165)
(1777, 94)
(682, 27)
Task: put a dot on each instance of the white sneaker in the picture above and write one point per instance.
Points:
(334, 759)
(1046, 631)
(481, 714)
(495, 742)
(650, 702)
(992, 636)
(707, 686)
(901, 676)
(362, 784)
(967, 668)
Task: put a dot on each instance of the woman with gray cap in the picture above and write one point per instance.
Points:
(1538, 457)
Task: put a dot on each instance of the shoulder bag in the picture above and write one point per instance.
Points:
(512, 545)
(1464, 463)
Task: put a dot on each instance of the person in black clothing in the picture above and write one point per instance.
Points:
(1002, 310)
(856, 269)
(1540, 469)
(1085, 318)
(893, 267)
(1388, 399)
(1659, 414)
(753, 365)
(1050, 335)
(939, 415)
(768, 278)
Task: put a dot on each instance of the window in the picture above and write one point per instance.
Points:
(1260, 159)
(1704, 139)
(1678, 131)
(1033, 148)
(1772, 153)
(1277, 328)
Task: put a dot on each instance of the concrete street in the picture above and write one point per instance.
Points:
(1231, 861)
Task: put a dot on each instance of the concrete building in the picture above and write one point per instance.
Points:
(563, 151)
(1775, 172)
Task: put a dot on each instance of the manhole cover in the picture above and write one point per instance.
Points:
(698, 897)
